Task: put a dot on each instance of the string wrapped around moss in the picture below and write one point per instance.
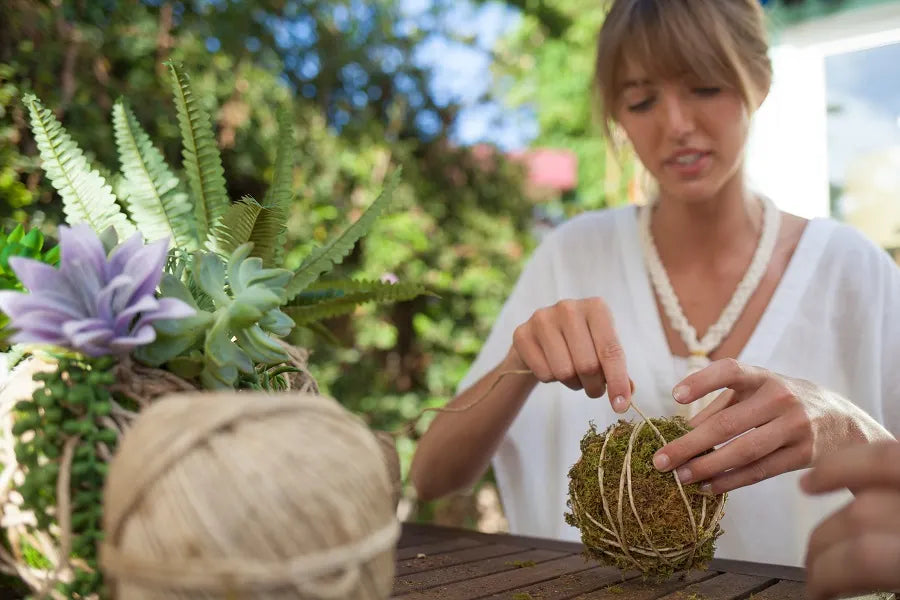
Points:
(632, 516)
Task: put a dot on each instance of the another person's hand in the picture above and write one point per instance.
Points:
(764, 424)
(574, 342)
(857, 549)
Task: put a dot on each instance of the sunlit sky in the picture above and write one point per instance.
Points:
(461, 72)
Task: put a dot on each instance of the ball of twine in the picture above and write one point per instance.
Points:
(634, 517)
(239, 495)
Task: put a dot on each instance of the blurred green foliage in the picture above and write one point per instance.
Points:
(459, 221)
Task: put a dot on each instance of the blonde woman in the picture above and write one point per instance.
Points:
(709, 277)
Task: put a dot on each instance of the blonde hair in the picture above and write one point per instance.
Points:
(719, 42)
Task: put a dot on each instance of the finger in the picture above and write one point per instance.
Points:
(611, 355)
(531, 352)
(584, 356)
(717, 429)
(747, 449)
(725, 373)
(722, 401)
(553, 344)
(874, 510)
(778, 462)
(862, 564)
(855, 467)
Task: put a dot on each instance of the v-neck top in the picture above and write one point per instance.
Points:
(834, 319)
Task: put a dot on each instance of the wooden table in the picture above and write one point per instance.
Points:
(455, 564)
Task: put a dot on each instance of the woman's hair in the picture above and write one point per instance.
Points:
(715, 42)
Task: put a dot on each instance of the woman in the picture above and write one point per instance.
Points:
(708, 271)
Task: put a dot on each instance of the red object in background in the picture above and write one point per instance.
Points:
(549, 168)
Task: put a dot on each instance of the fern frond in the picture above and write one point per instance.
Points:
(361, 290)
(202, 161)
(327, 299)
(236, 226)
(323, 259)
(87, 197)
(323, 333)
(150, 190)
(277, 200)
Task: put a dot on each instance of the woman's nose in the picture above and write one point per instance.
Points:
(676, 115)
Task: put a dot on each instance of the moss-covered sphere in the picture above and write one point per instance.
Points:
(639, 519)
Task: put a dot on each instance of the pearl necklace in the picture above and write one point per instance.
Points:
(701, 349)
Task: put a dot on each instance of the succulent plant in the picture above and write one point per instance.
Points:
(236, 318)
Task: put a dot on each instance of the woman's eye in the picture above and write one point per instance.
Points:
(642, 106)
(707, 91)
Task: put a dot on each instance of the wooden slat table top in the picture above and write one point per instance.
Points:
(454, 564)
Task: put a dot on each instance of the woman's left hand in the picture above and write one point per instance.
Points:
(780, 424)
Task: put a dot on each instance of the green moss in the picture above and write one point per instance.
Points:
(522, 596)
(521, 564)
(656, 497)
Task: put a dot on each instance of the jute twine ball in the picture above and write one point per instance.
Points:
(246, 495)
(632, 516)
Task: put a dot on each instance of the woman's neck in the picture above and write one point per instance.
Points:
(694, 232)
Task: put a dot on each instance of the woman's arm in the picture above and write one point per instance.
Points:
(572, 342)
(458, 446)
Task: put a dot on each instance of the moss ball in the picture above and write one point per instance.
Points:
(638, 518)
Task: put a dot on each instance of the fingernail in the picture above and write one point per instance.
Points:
(706, 488)
(660, 461)
(684, 474)
(680, 392)
(620, 404)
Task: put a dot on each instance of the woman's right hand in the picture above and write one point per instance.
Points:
(574, 342)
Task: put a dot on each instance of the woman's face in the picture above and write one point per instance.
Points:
(690, 135)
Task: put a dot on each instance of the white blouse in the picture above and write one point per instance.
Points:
(834, 319)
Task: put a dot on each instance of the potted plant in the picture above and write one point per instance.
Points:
(182, 290)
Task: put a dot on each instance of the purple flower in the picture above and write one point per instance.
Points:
(93, 304)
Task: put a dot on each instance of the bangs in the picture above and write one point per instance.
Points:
(673, 43)
(712, 43)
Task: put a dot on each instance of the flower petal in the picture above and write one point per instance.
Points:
(36, 337)
(16, 304)
(146, 268)
(169, 308)
(35, 275)
(122, 253)
(141, 337)
(110, 296)
(84, 283)
(11, 302)
(40, 326)
(88, 335)
(80, 243)
(123, 321)
(40, 319)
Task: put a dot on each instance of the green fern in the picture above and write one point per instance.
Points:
(328, 299)
(150, 190)
(323, 259)
(247, 221)
(86, 195)
(277, 200)
(202, 161)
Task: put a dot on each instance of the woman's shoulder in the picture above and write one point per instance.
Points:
(850, 255)
(846, 243)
